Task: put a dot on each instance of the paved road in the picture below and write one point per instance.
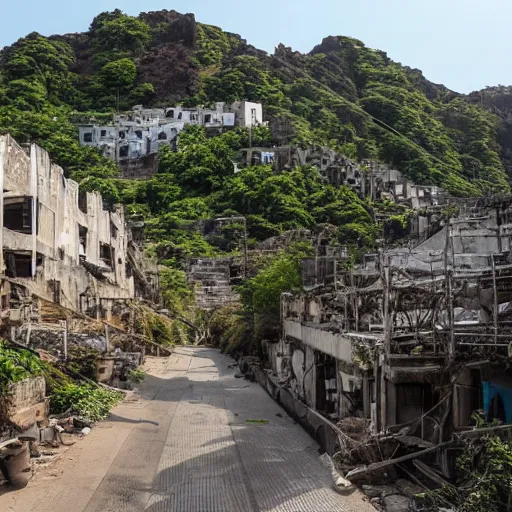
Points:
(194, 442)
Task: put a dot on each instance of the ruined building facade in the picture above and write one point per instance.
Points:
(59, 244)
(134, 138)
(368, 179)
(417, 338)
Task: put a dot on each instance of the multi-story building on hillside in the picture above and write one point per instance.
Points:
(134, 138)
(58, 244)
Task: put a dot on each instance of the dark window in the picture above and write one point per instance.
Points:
(18, 265)
(103, 133)
(107, 254)
(170, 114)
(82, 241)
(138, 134)
(208, 118)
(180, 115)
(55, 288)
(123, 151)
(162, 136)
(18, 214)
(128, 270)
(122, 134)
(113, 230)
(82, 200)
(102, 370)
(88, 137)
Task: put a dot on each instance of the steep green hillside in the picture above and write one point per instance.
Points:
(341, 94)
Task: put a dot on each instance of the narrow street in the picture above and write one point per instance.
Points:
(196, 440)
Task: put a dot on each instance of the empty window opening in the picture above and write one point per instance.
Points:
(162, 136)
(256, 158)
(208, 118)
(103, 133)
(55, 289)
(138, 134)
(107, 254)
(123, 151)
(18, 264)
(326, 383)
(18, 214)
(88, 137)
(180, 115)
(82, 200)
(113, 230)
(82, 241)
(102, 370)
(170, 114)
(128, 270)
(122, 134)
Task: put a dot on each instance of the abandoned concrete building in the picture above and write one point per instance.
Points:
(412, 337)
(134, 138)
(368, 179)
(61, 245)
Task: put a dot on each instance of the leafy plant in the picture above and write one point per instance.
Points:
(87, 401)
(137, 375)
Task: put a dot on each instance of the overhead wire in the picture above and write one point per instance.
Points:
(377, 122)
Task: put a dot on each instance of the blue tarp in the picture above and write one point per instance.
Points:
(492, 390)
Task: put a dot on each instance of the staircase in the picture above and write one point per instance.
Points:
(211, 278)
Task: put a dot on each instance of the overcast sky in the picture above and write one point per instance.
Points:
(464, 44)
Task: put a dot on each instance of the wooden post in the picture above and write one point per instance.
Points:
(449, 288)
(246, 256)
(386, 299)
(347, 324)
(29, 333)
(496, 302)
(107, 339)
(356, 309)
(65, 340)
(451, 319)
(384, 358)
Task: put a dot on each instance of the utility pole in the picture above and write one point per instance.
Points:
(65, 340)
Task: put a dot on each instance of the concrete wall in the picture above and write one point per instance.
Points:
(335, 345)
(54, 242)
(142, 132)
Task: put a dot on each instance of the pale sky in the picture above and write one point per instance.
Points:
(464, 44)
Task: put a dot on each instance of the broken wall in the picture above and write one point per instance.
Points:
(66, 233)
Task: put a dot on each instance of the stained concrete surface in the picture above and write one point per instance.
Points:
(196, 440)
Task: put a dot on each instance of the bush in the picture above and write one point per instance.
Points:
(86, 400)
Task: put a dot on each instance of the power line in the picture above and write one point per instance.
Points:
(379, 123)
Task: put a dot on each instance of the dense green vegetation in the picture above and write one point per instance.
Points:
(483, 485)
(342, 95)
(239, 329)
(85, 399)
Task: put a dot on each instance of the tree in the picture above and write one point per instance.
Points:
(262, 294)
(120, 32)
(41, 61)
